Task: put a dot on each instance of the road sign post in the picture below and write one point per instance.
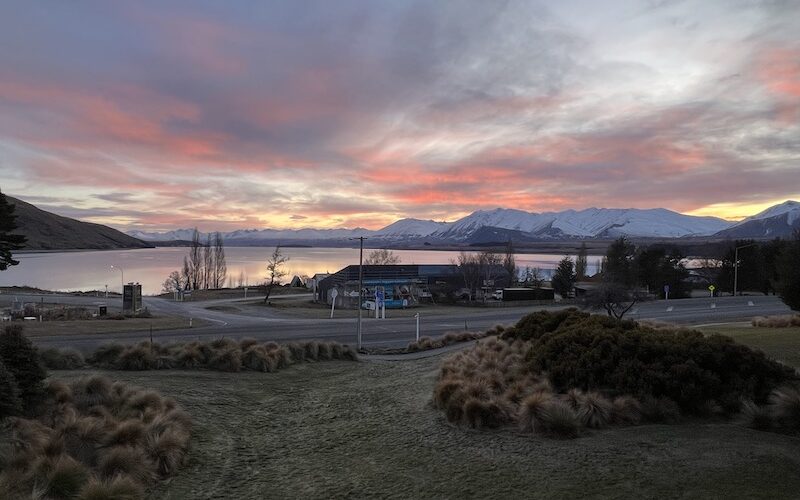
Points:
(666, 292)
(417, 317)
(711, 289)
(334, 294)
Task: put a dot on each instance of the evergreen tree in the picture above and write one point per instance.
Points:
(619, 265)
(656, 268)
(10, 403)
(8, 241)
(564, 277)
(21, 358)
(789, 274)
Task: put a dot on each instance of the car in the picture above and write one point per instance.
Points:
(497, 295)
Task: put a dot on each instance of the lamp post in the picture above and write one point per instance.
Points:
(736, 266)
(121, 278)
(360, 287)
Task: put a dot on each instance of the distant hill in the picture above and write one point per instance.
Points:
(48, 231)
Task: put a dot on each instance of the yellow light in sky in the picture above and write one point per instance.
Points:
(737, 211)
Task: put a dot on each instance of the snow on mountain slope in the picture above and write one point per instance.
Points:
(588, 223)
(789, 206)
(407, 228)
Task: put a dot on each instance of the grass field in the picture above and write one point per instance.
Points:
(101, 326)
(782, 344)
(368, 430)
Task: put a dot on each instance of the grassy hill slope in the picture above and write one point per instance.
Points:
(48, 231)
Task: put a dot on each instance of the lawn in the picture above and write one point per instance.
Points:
(782, 344)
(101, 326)
(340, 429)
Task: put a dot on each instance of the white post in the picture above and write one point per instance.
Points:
(383, 309)
(333, 305)
(190, 322)
(245, 292)
(417, 316)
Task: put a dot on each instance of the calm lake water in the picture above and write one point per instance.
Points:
(91, 270)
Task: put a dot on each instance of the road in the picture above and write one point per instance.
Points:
(391, 332)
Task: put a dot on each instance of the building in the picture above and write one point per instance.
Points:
(403, 285)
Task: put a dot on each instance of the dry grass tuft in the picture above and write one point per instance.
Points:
(626, 410)
(62, 359)
(95, 439)
(594, 410)
(785, 321)
(785, 404)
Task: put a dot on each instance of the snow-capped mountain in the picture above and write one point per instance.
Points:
(410, 228)
(589, 223)
(779, 221)
(500, 224)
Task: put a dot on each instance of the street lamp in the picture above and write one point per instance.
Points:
(121, 278)
(360, 287)
(736, 266)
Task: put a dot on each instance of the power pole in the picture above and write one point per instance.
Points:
(360, 287)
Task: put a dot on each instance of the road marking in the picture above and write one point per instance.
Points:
(670, 308)
(713, 305)
(750, 303)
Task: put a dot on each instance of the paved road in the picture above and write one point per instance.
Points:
(394, 332)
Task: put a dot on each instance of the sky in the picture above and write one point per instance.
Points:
(158, 115)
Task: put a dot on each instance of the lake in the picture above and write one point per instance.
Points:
(91, 270)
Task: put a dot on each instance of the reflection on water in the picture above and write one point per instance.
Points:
(91, 270)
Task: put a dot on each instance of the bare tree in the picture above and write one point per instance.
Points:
(470, 270)
(220, 267)
(510, 263)
(613, 297)
(240, 279)
(208, 263)
(581, 264)
(381, 257)
(196, 261)
(533, 277)
(173, 283)
(275, 271)
(186, 273)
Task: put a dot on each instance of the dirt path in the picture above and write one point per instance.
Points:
(367, 430)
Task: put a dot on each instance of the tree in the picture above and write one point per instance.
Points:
(564, 277)
(208, 264)
(470, 270)
(615, 298)
(532, 277)
(173, 283)
(195, 261)
(510, 263)
(220, 266)
(21, 358)
(9, 242)
(381, 257)
(751, 275)
(275, 271)
(789, 273)
(655, 268)
(619, 264)
(10, 403)
(581, 264)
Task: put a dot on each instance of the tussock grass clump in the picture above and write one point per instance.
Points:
(62, 359)
(427, 343)
(220, 354)
(95, 439)
(784, 321)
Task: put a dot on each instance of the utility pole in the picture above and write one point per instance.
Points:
(736, 267)
(360, 287)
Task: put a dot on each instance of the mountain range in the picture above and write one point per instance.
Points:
(503, 224)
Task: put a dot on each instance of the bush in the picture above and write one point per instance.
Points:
(621, 357)
(22, 360)
(785, 321)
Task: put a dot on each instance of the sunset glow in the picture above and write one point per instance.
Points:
(228, 115)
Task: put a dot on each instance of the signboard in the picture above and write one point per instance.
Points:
(132, 297)
(666, 288)
(711, 288)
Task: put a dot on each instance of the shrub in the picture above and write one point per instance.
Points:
(10, 402)
(65, 478)
(559, 420)
(136, 358)
(593, 410)
(626, 410)
(756, 417)
(600, 353)
(62, 359)
(117, 488)
(22, 360)
(784, 321)
(106, 355)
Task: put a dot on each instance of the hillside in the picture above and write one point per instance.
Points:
(48, 231)
(779, 221)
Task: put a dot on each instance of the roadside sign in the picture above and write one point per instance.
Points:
(666, 288)
(334, 293)
(711, 288)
